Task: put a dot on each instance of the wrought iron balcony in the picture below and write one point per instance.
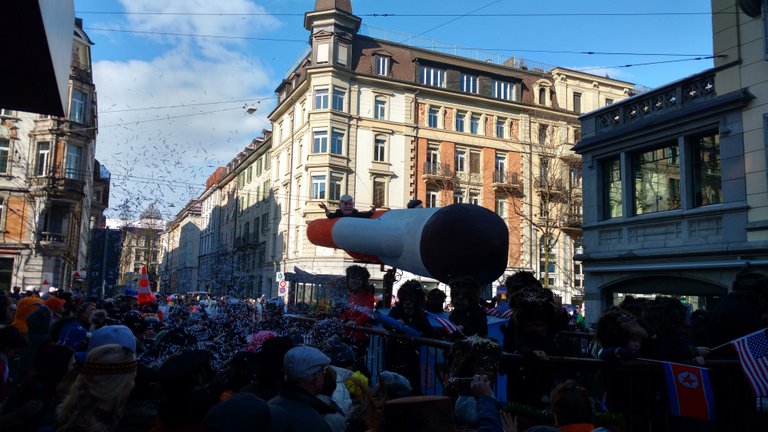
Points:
(57, 187)
(433, 169)
(507, 180)
(52, 243)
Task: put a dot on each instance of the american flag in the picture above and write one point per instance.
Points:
(445, 323)
(491, 311)
(753, 354)
(506, 314)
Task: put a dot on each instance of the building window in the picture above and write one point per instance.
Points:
(547, 259)
(474, 124)
(341, 54)
(458, 198)
(380, 149)
(460, 116)
(320, 141)
(707, 180)
(468, 83)
(382, 65)
(577, 102)
(500, 163)
(542, 96)
(612, 188)
(608, 101)
(337, 141)
(433, 160)
(379, 192)
(338, 99)
(501, 207)
(334, 187)
(460, 160)
(321, 98)
(543, 134)
(432, 118)
(431, 199)
(77, 107)
(74, 155)
(323, 51)
(474, 198)
(5, 150)
(656, 180)
(503, 90)
(500, 128)
(431, 76)
(380, 107)
(43, 154)
(474, 162)
(318, 187)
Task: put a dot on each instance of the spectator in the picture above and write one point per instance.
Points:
(297, 408)
(12, 342)
(435, 301)
(24, 309)
(620, 335)
(97, 398)
(415, 203)
(242, 413)
(467, 313)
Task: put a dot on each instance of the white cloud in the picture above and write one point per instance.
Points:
(176, 150)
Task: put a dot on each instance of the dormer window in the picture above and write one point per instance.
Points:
(342, 51)
(504, 90)
(323, 51)
(382, 65)
(431, 76)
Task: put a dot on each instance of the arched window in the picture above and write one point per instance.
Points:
(542, 95)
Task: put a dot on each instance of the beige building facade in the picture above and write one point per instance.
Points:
(387, 122)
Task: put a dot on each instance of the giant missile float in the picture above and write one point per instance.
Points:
(440, 243)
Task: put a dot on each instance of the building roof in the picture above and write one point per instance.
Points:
(342, 5)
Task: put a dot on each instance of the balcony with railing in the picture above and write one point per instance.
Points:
(507, 180)
(438, 173)
(58, 187)
(546, 185)
(571, 221)
(52, 243)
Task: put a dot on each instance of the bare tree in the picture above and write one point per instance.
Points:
(553, 205)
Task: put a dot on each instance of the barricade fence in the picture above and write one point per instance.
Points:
(634, 393)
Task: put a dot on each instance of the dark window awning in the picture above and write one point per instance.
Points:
(35, 71)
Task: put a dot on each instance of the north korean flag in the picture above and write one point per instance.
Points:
(690, 391)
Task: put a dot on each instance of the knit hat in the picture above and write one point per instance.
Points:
(243, 412)
(414, 203)
(55, 304)
(304, 361)
(394, 384)
(111, 334)
(24, 309)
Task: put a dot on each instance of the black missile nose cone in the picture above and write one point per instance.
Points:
(465, 240)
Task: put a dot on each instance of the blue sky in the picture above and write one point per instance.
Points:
(171, 106)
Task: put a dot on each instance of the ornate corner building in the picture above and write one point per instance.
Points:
(389, 121)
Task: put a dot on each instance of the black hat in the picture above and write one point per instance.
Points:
(414, 203)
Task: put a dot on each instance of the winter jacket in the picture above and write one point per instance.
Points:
(296, 410)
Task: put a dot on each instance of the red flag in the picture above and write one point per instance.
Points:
(690, 391)
(145, 293)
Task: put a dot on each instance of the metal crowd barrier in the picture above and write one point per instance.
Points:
(633, 392)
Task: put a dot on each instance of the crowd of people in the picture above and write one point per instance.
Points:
(72, 363)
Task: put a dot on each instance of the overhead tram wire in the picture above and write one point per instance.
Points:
(187, 105)
(197, 35)
(419, 15)
(511, 50)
